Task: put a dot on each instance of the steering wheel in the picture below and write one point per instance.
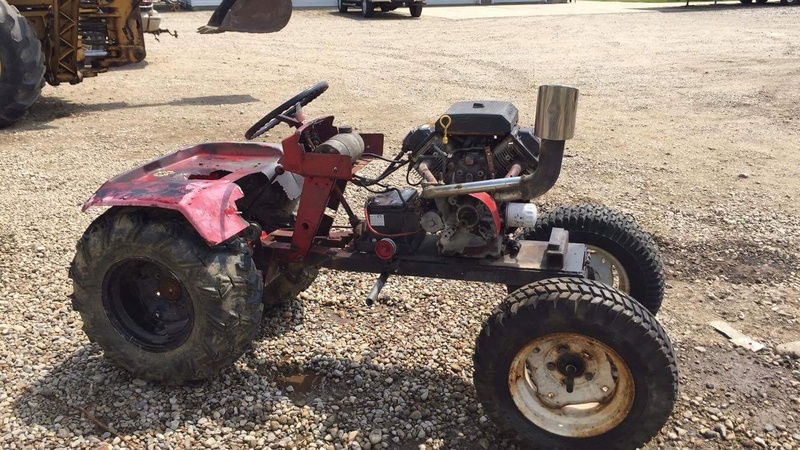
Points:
(289, 112)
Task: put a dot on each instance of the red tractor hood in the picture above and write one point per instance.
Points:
(200, 183)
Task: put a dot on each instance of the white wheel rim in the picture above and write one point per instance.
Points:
(608, 270)
(601, 397)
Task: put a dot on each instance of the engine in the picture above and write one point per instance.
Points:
(482, 141)
(472, 141)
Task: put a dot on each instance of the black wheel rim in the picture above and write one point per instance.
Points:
(148, 304)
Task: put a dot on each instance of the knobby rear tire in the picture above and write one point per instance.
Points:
(222, 284)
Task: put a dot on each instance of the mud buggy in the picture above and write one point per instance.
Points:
(173, 279)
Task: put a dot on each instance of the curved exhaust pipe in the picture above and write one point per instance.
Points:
(556, 108)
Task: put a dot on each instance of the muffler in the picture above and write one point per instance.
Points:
(556, 108)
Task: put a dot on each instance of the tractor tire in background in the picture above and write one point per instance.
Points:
(159, 301)
(415, 9)
(570, 363)
(288, 285)
(367, 8)
(21, 65)
(623, 255)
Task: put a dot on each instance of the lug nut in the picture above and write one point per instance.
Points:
(551, 366)
(589, 377)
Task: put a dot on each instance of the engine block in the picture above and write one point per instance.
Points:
(482, 141)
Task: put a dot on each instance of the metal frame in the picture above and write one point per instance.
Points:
(200, 182)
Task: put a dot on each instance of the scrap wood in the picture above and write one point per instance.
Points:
(106, 427)
(735, 336)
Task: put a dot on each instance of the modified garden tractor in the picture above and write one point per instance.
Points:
(65, 41)
(173, 280)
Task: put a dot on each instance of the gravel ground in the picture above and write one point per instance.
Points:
(688, 120)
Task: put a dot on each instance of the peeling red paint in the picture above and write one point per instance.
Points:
(199, 182)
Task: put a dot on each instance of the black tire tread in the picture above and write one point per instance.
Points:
(224, 274)
(22, 76)
(623, 230)
(367, 9)
(592, 301)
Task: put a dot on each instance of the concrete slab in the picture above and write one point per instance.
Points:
(542, 9)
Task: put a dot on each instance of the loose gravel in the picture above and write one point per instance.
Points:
(688, 120)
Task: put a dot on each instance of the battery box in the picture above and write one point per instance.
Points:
(393, 215)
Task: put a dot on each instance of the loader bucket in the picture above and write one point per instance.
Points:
(250, 16)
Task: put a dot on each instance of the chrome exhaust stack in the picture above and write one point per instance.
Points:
(556, 109)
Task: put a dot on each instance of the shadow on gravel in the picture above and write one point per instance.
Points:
(48, 109)
(85, 389)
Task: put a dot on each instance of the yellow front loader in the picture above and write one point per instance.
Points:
(65, 41)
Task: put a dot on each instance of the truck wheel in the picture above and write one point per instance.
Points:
(288, 285)
(415, 9)
(342, 6)
(21, 65)
(789, 2)
(762, 2)
(622, 254)
(745, 2)
(367, 8)
(159, 301)
(569, 363)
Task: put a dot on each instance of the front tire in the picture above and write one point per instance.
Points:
(367, 8)
(159, 301)
(623, 255)
(21, 65)
(568, 363)
(342, 6)
(415, 9)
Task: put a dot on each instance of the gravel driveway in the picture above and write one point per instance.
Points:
(688, 120)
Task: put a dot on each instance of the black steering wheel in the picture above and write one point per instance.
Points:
(287, 112)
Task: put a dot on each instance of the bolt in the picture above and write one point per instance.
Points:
(551, 395)
(562, 350)
(551, 366)
(604, 388)
(537, 350)
(589, 377)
